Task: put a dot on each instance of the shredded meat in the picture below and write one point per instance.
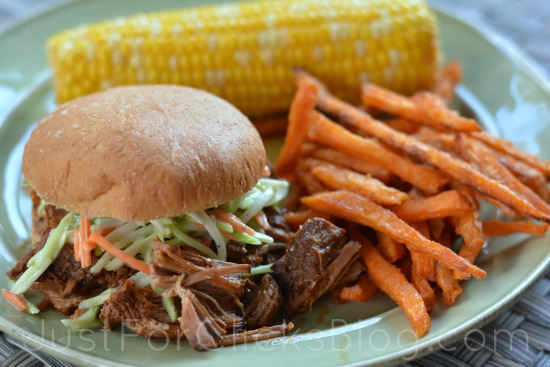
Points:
(66, 283)
(139, 309)
(278, 227)
(42, 225)
(315, 261)
(209, 292)
(263, 304)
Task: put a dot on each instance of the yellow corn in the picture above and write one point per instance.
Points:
(244, 52)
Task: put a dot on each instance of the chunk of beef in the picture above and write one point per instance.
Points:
(139, 309)
(263, 304)
(316, 259)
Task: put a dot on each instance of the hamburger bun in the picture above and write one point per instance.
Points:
(143, 152)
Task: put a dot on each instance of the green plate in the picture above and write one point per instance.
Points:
(501, 87)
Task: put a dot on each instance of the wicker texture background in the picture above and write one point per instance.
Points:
(527, 340)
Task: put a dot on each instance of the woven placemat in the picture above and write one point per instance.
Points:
(521, 335)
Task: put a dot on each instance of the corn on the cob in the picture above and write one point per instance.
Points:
(244, 52)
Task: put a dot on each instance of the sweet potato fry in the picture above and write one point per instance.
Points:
(493, 228)
(403, 125)
(345, 160)
(358, 209)
(447, 79)
(326, 132)
(501, 206)
(391, 281)
(470, 228)
(390, 248)
(508, 148)
(527, 174)
(344, 179)
(476, 154)
(446, 204)
(374, 96)
(436, 226)
(360, 292)
(271, 127)
(303, 103)
(444, 277)
(436, 139)
(423, 269)
(420, 283)
(424, 108)
(309, 182)
(459, 170)
(296, 219)
(436, 114)
(425, 264)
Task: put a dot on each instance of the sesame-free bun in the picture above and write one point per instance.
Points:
(143, 152)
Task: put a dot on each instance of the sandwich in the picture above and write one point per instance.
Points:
(146, 202)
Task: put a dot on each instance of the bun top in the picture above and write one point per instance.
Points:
(143, 152)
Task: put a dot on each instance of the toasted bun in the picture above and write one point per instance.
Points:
(143, 152)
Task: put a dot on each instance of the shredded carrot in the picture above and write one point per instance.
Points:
(266, 172)
(118, 253)
(104, 232)
(232, 219)
(85, 251)
(198, 225)
(15, 300)
(76, 244)
(227, 235)
(261, 219)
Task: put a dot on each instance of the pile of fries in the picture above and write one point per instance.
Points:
(406, 177)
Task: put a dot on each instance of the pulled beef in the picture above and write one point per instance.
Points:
(209, 292)
(278, 227)
(66, 283)
(21, 266)
(315, 261)
(139, 309)
(269, 252)
(263, 304)
(249, 336)
(254, 255)
(352, 274)
(42, 225)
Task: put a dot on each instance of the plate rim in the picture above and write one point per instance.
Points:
(507, 48)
